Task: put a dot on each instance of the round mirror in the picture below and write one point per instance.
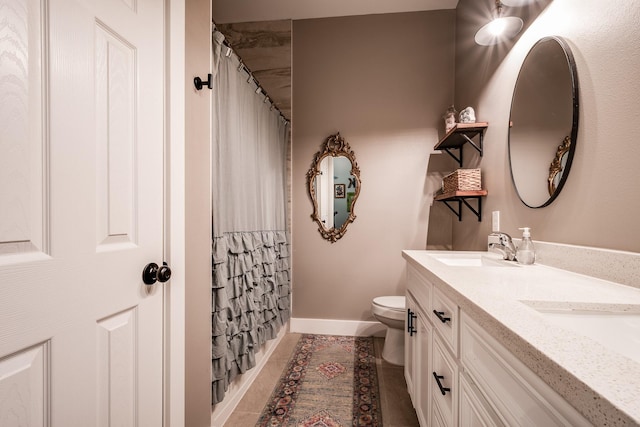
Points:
(544, 122)
(334, 185)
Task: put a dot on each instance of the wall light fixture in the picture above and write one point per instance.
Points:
(517, 3)
(499, 29)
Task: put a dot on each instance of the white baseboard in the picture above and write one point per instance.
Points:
(356, 328)
(223, 410)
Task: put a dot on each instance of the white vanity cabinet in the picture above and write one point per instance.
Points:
(459, 375)
(431, 367)
(518, 396)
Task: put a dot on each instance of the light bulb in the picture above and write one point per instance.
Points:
(497, 26)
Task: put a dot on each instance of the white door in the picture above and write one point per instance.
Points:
(81, 212)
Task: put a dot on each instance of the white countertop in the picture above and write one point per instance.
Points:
(600, 383)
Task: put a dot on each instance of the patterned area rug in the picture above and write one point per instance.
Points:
(329, 381)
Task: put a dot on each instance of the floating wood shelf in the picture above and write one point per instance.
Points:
(461, 197)
(461, 134)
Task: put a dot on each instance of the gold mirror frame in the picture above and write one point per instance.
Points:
(556, 166)
(334, 146)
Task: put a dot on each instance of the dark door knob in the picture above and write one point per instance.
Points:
(164, 273)
(153, 273)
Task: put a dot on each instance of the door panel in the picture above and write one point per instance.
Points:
(22, 142)
(24, 380)
(117, 369)
(115, 104)
(81, 212)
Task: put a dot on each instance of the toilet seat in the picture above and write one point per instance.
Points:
(392, 307)
(391, 302)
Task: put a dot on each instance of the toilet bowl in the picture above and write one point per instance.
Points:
(390, 311)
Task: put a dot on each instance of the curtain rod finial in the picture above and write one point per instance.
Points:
(199, 83)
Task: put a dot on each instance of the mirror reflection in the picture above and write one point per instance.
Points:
(334, 184)
(544, 122)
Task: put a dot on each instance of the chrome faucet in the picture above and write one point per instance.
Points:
(504, 245)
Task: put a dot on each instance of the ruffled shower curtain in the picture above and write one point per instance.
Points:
(250, 248)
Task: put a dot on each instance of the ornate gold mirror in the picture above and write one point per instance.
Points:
(333, 182)
(544, 122)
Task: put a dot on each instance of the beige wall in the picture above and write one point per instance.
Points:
(198, 218)
(600, 203)
(383, 82)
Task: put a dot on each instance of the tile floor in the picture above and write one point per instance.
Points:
(394, 398)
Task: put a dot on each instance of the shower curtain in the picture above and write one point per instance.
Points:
(250, 246)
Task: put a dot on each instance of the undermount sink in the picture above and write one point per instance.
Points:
(473, 259)
(617, 328)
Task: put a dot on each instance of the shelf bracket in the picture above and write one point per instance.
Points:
(460, 135)
(458, 212)
(478, 147)
(456, 158)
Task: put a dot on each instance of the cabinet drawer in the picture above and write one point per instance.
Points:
(444, 382)
(519, 397)
(419, 287)
(444, 316)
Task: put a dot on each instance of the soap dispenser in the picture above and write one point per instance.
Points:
(526, 252)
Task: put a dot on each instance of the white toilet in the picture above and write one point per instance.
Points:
(391, 311)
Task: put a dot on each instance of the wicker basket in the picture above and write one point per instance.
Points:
(462, 180)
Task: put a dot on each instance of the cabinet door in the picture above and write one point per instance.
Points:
(437, 420)
(423, 368)
(409, 346)
(474, 409)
